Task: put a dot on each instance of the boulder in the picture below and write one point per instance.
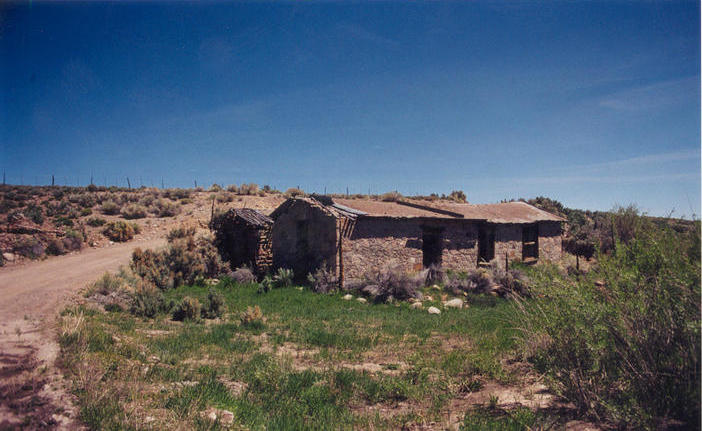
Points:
(8, 257)
(361, 300)
(454, 303)
(371, 290)
(433, 310)
(347, 297)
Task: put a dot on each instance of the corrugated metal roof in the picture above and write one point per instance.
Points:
(253, 217)
(507, 212)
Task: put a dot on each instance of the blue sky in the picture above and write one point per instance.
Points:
(591, 103)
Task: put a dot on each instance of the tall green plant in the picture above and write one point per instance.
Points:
(623, 343)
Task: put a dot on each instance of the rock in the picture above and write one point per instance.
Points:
(347, 297)
(361, 300)
(436, 287)
(226, 417)
(149, 419)
(416, 305)
(433, 310)
(8, 257)
(212, 415)
(454, 303)
(371, 290)
(212, 281)
(430, 298)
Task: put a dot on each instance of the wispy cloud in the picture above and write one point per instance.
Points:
(648, 159)
(653, 96)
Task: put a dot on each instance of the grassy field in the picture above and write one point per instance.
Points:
(314, 362)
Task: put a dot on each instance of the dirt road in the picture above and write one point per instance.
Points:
(31, 295)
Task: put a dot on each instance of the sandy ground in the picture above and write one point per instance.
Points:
(32, 392)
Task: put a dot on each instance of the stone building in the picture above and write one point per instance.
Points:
(243, 237)
(353, 236)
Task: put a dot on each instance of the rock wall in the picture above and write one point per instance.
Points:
(508, 240)
(550, 241)
(304, 239)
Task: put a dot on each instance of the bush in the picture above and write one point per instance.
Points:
(85, 200)
(393, 283)
(133, 211)
(294, 191)
(391, 197)
(323, 280)
(73, 240)
(243, 275)
(458, 196)
(180, 232)
(55, 247)
(121, 231)
(85, 212)
(148, 301)
(188, 309)
(215, 305)
(511, 282)
(153, 267)
(165, 208)
(105, 285)
(96, 221)
(30, 247)
(232, 188)
(110, 207)
(248, 189)
(435, 275)
(252, 317)
(215, 188)
(623, 342)
(34, 213)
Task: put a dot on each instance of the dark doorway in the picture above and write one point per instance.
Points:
(486, 244)
(530, 242)
(432, 246)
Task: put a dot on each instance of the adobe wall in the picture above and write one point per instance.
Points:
(320, 237)
(550, 241)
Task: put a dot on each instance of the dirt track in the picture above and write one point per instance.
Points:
(30, 297)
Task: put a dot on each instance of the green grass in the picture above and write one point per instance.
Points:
(316, 382)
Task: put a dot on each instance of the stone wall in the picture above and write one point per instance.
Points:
(550, 241)
(377, 242)
(460, 245)
(304, 239)
(508, 240)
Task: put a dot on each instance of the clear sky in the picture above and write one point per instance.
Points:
(592, 103)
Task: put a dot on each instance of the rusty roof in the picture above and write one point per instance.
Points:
(509, 212)
(253, 217)
(506, 212)
(387, 209)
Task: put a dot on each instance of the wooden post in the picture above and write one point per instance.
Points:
(506, 262)
(52, 181)
(129, 185)
(212, 213)
(341, 257)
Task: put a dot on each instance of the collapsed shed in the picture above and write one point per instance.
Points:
(352, 236)
(243, 237)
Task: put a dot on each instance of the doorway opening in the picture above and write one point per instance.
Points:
(486, 244)
(432, 246)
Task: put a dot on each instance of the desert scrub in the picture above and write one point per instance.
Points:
(243, 275)
(133, 211)
(623, 341)
(165, 208)
(96, 221)
(121, 231)
(110, 207)
(34, 213)
(30, 247)
(188, 309)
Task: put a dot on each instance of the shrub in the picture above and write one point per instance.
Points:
(252, 317)
(148, 301)
(435, 275)
(96, 221)
(153, 267)
(623, 342)
(391, 197)
(120, 231)
(215, 188)
(85, 212)
(165, 208)
(248, 189)
(133, 211)
(105, 285)
(323, 280)
(180, 232)
(233, 188)
(511, 282)
(30, 247)
(294, 191)
(73, 240)
(188, 309)
(34, 213)
(55, 247)
(215, 305)
(393, 283)
(110, 207)
(283, 278)
(243, 275)
(85, 200)
(224, 197)
(458, 196)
